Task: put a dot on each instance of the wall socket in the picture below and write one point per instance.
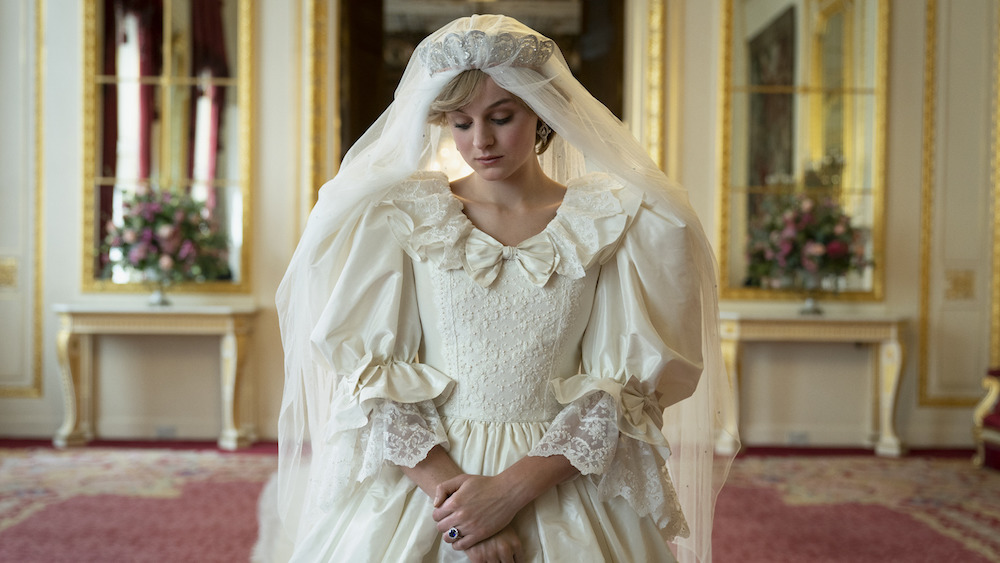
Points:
(798, 438)
(166, 432)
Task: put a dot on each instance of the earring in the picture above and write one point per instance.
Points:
(543, 132)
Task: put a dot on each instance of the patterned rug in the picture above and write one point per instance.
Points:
(124, 504)
(110, 504)
(858, 509)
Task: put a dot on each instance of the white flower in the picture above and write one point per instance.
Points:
(166, 263)
(164, 231)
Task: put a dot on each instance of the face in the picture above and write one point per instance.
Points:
(495, 133)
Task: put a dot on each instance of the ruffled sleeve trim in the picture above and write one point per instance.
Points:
(638, 410)
(591, 222)
(427, 220)
(373, 382)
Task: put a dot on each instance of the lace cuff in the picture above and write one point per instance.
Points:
(638, 474)
(586, 433)
(402, 434)
(396, 433)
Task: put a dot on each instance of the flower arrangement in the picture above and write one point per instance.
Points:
(167, 237)
(796, 241)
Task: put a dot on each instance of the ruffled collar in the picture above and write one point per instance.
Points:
(429, 222)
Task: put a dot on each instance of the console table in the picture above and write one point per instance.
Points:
(882, 333)
(78, 324)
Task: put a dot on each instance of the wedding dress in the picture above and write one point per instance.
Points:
(460, 341)
(405, 327)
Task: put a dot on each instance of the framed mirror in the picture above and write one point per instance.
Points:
(803, 144)
(167, 104)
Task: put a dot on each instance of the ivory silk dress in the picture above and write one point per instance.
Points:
(569, 343)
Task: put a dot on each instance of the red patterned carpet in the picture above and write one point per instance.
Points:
(858, 509)
(175, 505)
(112, 504)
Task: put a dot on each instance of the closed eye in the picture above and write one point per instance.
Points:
(462, 126)
(502, 120)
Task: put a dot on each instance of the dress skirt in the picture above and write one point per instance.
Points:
(389, 519)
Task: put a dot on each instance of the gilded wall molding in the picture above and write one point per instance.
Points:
(995, 283)
(34, 389)
(927, 216)
(317, 81)
(654, 94)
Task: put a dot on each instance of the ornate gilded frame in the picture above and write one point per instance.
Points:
(724, 151)
(244, 87)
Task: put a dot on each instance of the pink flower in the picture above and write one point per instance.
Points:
(166, 263)
(142, 190)
(808, 204)
(836, 249)
(785, 248)
(137, 254)
(810, 265)
(813, 248)
(839, 229)
(187, 250)
(129, 236)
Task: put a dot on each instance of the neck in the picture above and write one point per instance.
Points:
(527, 187)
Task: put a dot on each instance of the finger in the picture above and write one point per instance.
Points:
(445, 490)
(445, 524)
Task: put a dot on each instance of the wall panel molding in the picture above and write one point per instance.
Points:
(959, 284)
(21, 199)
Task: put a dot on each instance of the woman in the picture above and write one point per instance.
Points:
(478, 368)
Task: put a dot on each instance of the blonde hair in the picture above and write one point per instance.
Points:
(460, 92)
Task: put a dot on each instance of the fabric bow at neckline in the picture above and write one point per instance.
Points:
(484, 256)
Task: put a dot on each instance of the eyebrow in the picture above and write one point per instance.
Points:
(495, 104)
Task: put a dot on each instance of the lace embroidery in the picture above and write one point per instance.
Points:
(590, 219)
(500, 343)
(401, 433)
(397, 433)
(438, 222)
(586, 433)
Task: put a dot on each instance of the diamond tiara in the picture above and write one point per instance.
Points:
(476, 49)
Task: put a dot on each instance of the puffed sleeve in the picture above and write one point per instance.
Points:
(384, 402)
(641, 353)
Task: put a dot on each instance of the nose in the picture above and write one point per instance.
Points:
(482, 137)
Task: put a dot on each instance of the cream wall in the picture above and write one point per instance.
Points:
(168, 385)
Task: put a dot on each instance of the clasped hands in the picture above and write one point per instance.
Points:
(481, 508)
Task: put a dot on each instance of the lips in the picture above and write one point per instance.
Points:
(488, 160)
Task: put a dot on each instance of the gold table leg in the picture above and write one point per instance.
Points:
(237, 395)
(890, 362)
(77, 382)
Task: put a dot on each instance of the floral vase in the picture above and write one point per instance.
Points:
(812, 285)
(811, 306)
(160, 283)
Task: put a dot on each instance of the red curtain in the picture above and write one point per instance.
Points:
(150, 35)
(208, 53)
